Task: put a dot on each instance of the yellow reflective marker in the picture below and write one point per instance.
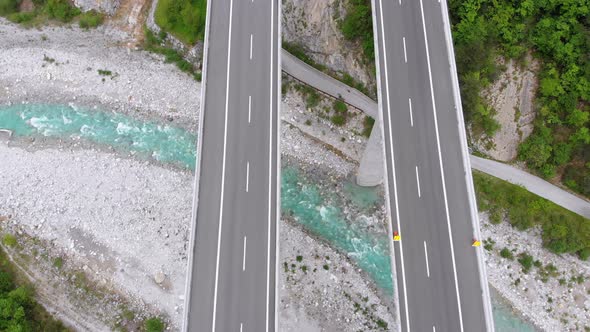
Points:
(476, 243)
(396, 236)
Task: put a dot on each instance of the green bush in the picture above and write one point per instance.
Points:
(61, 10)
(526, 261)
(21, 17)
(90, 19)
(19, 311)
(313, 99)
(58, 262)
(9, 240)
(8, 6)
(577, 178)
(154, 325)
(185, 19)
(6, 283)
(338, 119)
(358, 25)
(340, 107)
(104, 72)
(368, 124)
(506, 253)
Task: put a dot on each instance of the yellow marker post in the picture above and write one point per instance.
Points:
(396, 236)
(476, 243)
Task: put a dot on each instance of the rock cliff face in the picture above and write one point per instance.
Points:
(313, 24)
(512, 96)
(105, 6)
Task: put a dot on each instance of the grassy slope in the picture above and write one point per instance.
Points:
(184, 19)
(562, 230)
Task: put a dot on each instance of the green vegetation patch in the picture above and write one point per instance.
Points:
(357, 25)
(562, 230)
(154, 324)
(21, 17)
(185, 19)
(90, 19)
(9, 240)
(526, 261)
(156, 44)
(8, 6)
(47, 10)
(368, 124)
(61, 10)
(18, 308)
(506, 253)
(105, 72)
(340, 116)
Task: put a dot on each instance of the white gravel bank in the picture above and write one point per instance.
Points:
(126, 220)
(60, 65)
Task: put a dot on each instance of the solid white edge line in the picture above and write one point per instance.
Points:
(405, 52)
(433, 328)
(426, 257)
(196, 183)
(278, 71)
(242, 325)
(251, 40)
(411, 114)
(247, 175)
(393, 167)
(269, 165)
(469, 178)
(418, 182)
(244, 256)
(231, 7)
(249, 108)
(441, 167)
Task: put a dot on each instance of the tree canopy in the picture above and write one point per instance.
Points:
(558, 33)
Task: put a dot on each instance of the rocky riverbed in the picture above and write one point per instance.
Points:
(553, 294)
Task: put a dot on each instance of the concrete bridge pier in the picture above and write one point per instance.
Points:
(370, 172)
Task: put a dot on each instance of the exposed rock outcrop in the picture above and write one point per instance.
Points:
(512, 96)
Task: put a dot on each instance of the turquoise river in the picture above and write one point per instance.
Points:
(301, 198)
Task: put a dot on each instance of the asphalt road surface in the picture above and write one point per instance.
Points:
(439, 285)
(232, 253)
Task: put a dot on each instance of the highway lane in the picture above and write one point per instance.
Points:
(438, 278)
(232, 260)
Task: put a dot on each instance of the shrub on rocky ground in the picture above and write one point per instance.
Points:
(506, 253)
(154, 324)
(90, 19)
